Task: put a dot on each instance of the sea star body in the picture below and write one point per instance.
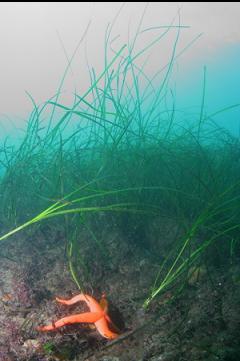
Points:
(97, 315)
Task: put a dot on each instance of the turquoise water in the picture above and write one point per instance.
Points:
(221, 91)
(222, 87)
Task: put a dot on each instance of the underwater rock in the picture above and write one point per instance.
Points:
(196, 274)
(231, 309)
(32, 344)
(166, 356)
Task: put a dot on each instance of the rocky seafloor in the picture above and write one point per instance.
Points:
(202, 322)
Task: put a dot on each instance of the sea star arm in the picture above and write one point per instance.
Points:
(73, 300)
(87, 317)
